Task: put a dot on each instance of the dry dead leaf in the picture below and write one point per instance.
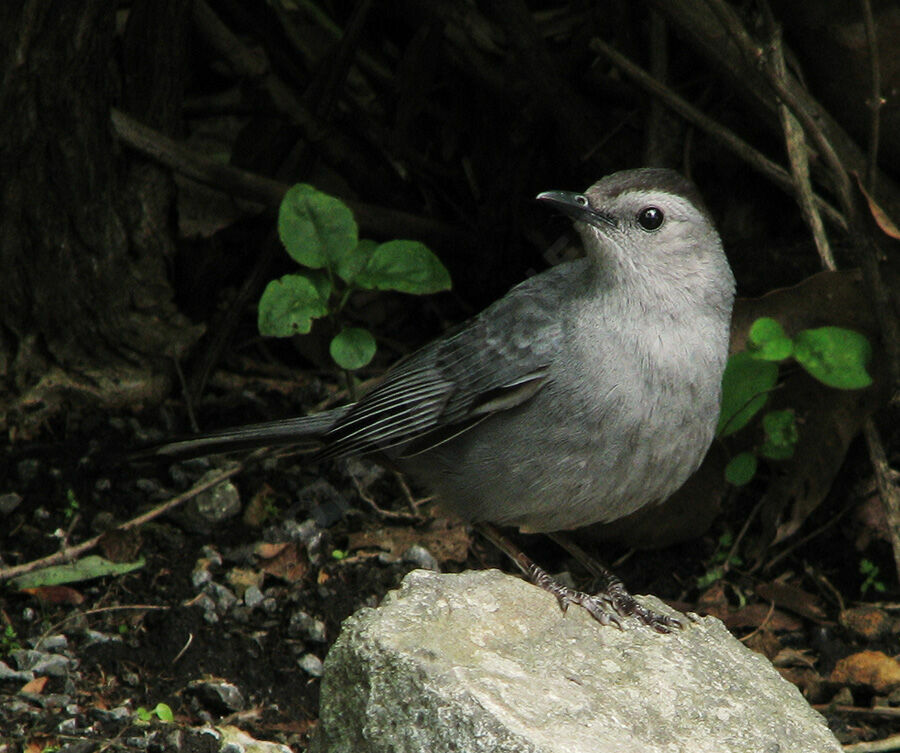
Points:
(56, 594)
(882, 219)
(756, 615)
(241, 578)
(807, 680)
(290, 564)
(793, 598)
(35, 686)
(792, 657)
(871, 519)
(447, 540)
(829, 420)
(40, 744)
(764, 642)
(258, 508)
(871, 669)
(869, 623)
(121, 546)
(834, 298)
(267, 551)
(713, 601)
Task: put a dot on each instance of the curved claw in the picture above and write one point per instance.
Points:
(599, 609)
(606, 606)
(661, 623)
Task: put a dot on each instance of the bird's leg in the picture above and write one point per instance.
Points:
(605, 606)
(611, 586)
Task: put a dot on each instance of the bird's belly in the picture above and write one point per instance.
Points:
(552, 478)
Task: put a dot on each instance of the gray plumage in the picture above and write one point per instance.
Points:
(585, 393)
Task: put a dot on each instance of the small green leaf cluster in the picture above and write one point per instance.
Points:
(871, 571)
(9, 640)
(161, 711)
(319, 232)
(717, 565)
(72, 505)
(835, 356)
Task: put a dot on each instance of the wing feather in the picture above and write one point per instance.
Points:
(497, 361)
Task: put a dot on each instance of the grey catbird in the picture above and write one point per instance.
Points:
(585, 393)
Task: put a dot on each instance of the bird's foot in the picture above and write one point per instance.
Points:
(607, 605)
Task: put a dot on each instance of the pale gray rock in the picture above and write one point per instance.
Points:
(311, 664)
(218, 504)
(483, 661)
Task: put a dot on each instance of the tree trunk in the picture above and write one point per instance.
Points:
(86, 311)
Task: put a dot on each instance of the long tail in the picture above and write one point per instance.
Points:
(305, 432)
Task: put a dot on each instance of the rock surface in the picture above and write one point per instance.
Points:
(482, 661)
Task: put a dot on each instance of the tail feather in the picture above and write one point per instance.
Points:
(305, 432)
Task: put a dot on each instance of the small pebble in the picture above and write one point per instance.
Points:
(419, 556)
(9, 502)
(311, 664)
(306, 626)
(253, 597)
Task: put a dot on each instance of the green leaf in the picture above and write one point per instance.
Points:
(164, 712)
(835, 356)
(353, 348)
(407, 266)
(741, 468)
(780, 427)
(86, 568)
(289, 305)
(768, 341)
(710, 577)
(141, 713)
(745, 387)
(322, 283)
(351, 264)
(317, 230)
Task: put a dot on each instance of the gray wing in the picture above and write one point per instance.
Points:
(497, 361)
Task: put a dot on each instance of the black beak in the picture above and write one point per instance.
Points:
(576, 206)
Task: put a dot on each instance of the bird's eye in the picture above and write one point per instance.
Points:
(650, 218)
(582, 200)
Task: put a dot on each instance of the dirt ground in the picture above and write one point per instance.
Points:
(239, 597)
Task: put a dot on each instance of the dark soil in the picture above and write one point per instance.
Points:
(151, 636)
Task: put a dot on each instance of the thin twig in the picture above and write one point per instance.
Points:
(756, 159)
(761, 624)
(586, 560)
(410, 497)
(767, 567)
(77, 615)
(186, 396)
(243, 184)
(887, 489)
(798, 155)
(876, 102)
(184, 648)
(883, 712)
(823, 580)
(801, 109)
(654, 151)
(380, 511)
(806, 111)
(738, 540)
(68, 553)
(884, 745)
